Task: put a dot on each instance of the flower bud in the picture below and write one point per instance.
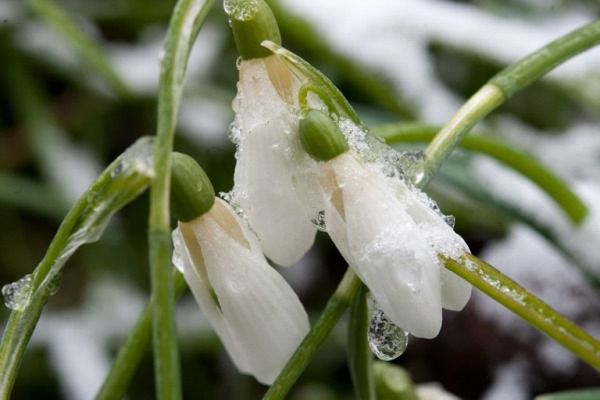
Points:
(252, 22)
(320, 136)
(192, 194)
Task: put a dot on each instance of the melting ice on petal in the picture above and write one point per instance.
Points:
(269, 156)
(386, 339)
(392, 234)
(16, 294)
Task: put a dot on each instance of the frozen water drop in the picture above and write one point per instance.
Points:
(241, 10)
(450, 220)
(319, 221)
(54, 285)
(386, 339)
(16, 294)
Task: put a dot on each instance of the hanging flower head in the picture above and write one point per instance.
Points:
(386, 231)
(265, 132)
(256, 314)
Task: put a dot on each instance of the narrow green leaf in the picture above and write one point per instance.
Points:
(123, 180)
(524, 163)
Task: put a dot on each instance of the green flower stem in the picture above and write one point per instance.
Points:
(334, 309)
(63, 23)
(478, 106)
(83, 224)
(360, 358)
(184, 26)
(537, 313)
(519, 161)
(130, 355)
(502, 86)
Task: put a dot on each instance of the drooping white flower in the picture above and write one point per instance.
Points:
(268, 156)
(256, 314)
(392, 240)
(386, 231)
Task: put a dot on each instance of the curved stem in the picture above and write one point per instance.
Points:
(537, 313)
(185, 23)
(502, 86)
(519, 161)
(84, 223)
(334, 309)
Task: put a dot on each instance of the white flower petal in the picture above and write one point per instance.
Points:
(455, 290)
(201, 291)
(386, 247)
(269, 155)
(259, 317)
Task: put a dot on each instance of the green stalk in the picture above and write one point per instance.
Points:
(89, 51)
(131, 352)
(360, 358)
(84, 223)
(184, 26)
(337, 304)
(502, 86)
(520, 161)
(523, 303)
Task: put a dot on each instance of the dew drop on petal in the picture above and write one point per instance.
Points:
(319, 221)
(16, 294)
(386, 339)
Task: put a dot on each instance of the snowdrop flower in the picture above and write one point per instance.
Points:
(256, 314)
(265, 132)
(386, 231)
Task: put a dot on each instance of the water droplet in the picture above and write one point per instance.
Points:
(450, 220)
(242, 10)
(54, 285)
(16, 294)
(386, 339)
(319, 221)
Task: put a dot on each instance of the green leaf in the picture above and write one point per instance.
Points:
(524, 163)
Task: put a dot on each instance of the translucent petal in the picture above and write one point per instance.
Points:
(455, 290)
(268, 157)
(386, 247)
(201, 291)
(263, 317)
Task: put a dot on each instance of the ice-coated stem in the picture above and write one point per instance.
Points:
(518, 160)
(337, 304)
(523, 303)
(502, 86)
(131, 352)
(84, 223)
(184, 26)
